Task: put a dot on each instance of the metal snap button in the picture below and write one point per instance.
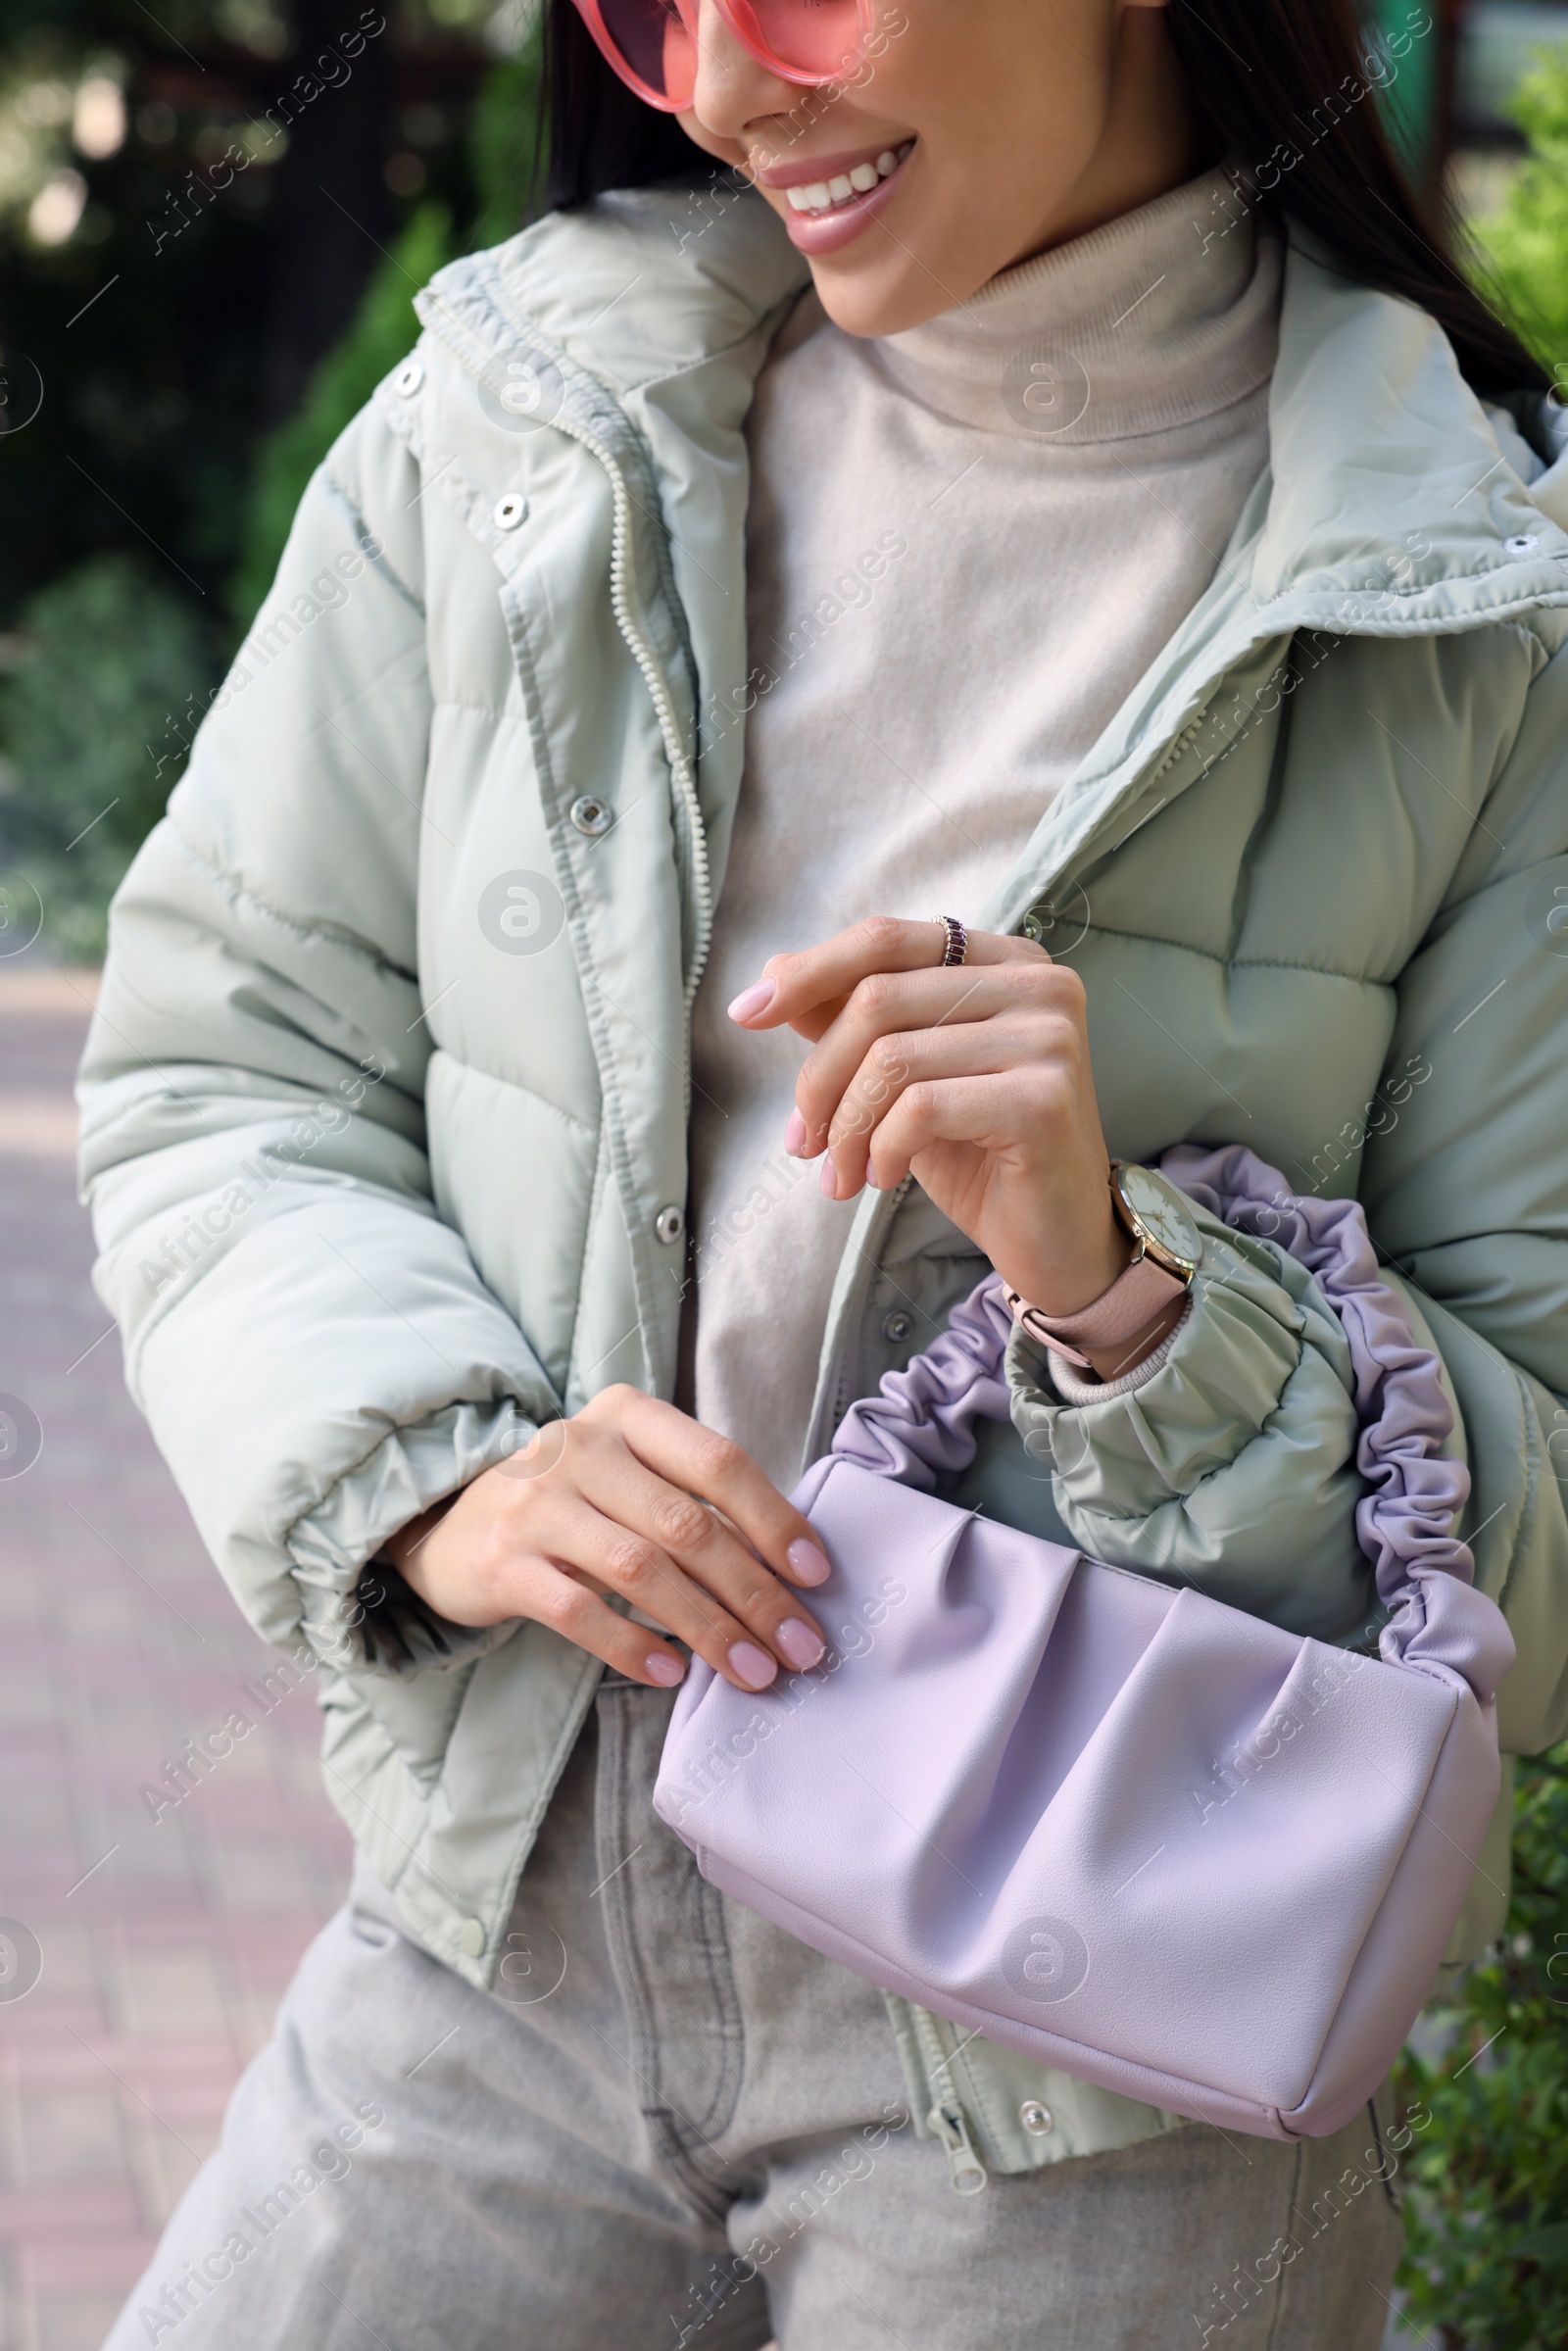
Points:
(591, 816)
(510, 510)
(669, 1224)
(1523, 542)
(409, 378)
(896, 1326)
(1034, 930)
(1035, 2119)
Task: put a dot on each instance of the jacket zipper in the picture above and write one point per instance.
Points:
(642, 653)
(946, 2117)
(1184, 741)
(657, 685)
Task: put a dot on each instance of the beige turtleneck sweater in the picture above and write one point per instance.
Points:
(966, 545)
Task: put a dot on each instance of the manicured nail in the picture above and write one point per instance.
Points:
(800, 1645)
(795, 1136)
(751, 1665)
(754, 999)
(808, 1565)
(830, 1180)
(666, 1670)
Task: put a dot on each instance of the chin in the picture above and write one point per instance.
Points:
(858, 309)
(882, 283)
(882, 296)
(897, 274)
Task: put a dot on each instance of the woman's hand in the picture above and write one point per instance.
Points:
(977, 1080)
(605, 1502)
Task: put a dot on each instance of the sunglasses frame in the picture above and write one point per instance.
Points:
(738, 16)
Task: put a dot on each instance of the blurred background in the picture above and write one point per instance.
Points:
(214, 214)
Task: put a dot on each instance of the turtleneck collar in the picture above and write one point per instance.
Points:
(1162, 318)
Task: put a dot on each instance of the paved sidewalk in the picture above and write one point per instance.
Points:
(163, 1944)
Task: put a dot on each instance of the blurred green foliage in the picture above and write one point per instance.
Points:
(382, 331)
(109, 668)
(94, 744)
(1522, 246)
(503, 147)
(1486, 2265)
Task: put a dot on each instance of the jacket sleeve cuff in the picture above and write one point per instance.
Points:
(1227, 1461)
(1073, 1386)
(358, 1613)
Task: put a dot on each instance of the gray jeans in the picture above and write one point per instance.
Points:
(676, 2127)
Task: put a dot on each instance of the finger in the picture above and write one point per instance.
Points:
(643, 1572)
(806, 990)
(549, 1595)
(892, 1006)
(985, 1048)
(986, 1112)
(700, 1461)
(707, 1550)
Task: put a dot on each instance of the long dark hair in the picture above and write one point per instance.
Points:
(1289, 90)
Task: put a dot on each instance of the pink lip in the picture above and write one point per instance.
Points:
(829, 232)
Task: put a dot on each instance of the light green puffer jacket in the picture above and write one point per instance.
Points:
(374, 1193)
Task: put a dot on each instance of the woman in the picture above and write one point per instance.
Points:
(1028, 600)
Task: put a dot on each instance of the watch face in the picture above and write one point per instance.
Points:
(1163, 1214)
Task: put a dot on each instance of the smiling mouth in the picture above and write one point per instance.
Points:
(848, 187)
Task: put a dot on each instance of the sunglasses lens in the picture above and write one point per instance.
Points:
(817, 39)
(653, 47)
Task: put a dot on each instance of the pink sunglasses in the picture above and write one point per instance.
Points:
(653, 43)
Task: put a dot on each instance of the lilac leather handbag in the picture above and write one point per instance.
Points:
(1124, 1828)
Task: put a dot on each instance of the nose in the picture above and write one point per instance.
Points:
(733, 87)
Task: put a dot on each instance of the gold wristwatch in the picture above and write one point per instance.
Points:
(1167, 1250)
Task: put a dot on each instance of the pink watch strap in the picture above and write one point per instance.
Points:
(1131, 1303)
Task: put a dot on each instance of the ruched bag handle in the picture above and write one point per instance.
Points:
(921, 1427)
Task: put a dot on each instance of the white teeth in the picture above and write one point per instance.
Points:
(822, 195)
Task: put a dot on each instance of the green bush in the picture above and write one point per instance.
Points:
(385, 327)
(1486, 2265)
(111, 673)
(1522, 246)
(110, 669)
(502, 153)
(504, 146)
